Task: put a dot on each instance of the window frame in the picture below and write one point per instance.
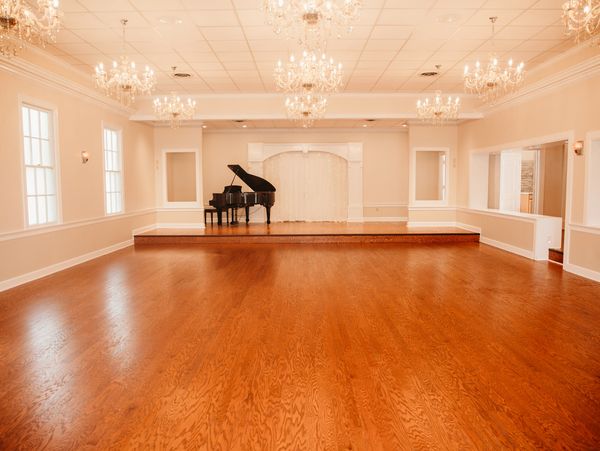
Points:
(119, 133)
(39, 105)
(440, 203)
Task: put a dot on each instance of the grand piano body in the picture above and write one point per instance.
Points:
(233, 198)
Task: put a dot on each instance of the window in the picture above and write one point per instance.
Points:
(40, 166)
(113, 178)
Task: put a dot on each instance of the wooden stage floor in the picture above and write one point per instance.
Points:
(308, 232)
(285, 347)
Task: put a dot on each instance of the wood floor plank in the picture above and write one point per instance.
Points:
(353, 346)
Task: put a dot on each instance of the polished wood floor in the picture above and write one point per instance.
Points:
(308, 233)
(363, 347)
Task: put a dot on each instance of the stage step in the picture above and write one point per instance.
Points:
(555, 255)
(314, 238)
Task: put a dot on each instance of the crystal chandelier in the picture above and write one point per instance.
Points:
(306, 107)
(122, 80)
(310, 72)
(311, 21)
(173, 109)
(582, 19)
(493, 81)
(19, 23)
(438, 110)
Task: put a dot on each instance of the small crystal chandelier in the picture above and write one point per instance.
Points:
(582, 19)
(493, 81)
(437, 110)
(19, 23)
(122, 80)
(306, 107)
(311, 21)
(173, 109)
(309, 72)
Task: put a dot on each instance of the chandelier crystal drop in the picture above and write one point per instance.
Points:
(582, 19)
(492, 81)
(173, 109)
(306, 107)
(122, 81)
(21, 23)
(309, 72)
(438, 110)
(311, 22)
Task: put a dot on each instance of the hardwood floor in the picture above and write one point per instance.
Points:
(360, 347)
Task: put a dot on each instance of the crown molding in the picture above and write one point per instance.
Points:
(24, 68)
(577, 72)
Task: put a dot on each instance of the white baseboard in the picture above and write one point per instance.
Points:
(468, 227)
(507, 247)
(581, 271)
(431, 224)
(143, 229)
(178, 225)
(43, 272)
(385, 219)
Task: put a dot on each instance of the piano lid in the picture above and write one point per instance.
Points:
(253, 181)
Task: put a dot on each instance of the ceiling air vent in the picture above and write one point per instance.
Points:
(181, 75)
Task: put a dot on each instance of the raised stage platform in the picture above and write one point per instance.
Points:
(308, 233)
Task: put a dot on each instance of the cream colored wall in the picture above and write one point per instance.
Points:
(553, 183)
(515, 232)
(573, 109)
(79, 127)
(385, 164)
(586, 249)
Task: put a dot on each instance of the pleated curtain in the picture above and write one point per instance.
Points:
(311, 186)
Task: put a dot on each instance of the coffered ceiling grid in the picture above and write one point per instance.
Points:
(227, 46)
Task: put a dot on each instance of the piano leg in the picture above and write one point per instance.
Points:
(247, 214)
(268, 215)
(219, 216)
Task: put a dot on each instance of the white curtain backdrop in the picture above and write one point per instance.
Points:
(311, 186)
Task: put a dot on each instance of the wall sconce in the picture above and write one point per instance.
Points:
(85, 156)
(578, 147)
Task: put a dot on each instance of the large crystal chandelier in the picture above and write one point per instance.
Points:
(305, 107)
(492, 81)
(173, 109)
(311, 21)
(438, 110)
(20, 23)
(582, 19)
(309, 72)
(122, 80)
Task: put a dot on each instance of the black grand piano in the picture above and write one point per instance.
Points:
(232, 196)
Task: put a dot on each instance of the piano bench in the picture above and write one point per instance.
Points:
(212, 211)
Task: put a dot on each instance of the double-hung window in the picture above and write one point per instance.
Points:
(40, 166)
(113, 174)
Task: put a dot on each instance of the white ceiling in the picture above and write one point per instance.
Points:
(228, 48)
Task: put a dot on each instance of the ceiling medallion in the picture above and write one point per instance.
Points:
(582, 19)
(311, 22)
(20, 23)
(306, 107)
(122, 80)
(310, 72)
(438, 110)
(493, 81)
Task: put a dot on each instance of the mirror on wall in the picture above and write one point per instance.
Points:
(180, 176)
(431, 175)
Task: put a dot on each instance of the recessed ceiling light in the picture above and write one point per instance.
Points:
(170, 20)
(404, 124)
(448, 18)
(244, 126)
(365, 125)
(204, 126)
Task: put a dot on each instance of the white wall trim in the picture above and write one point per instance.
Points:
(385, 219)
(384, 205)
(5, 236)
(432, 208)
(507, 247)
(468, 227)
(141, 230)
(431, 224)
(593, 230)
(41, 75)
(179, 225)
(581, 271)
(43, 272)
